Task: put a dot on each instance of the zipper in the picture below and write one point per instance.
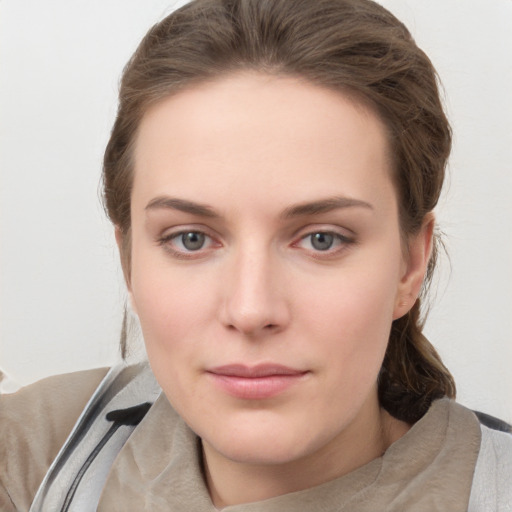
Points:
(131, 416)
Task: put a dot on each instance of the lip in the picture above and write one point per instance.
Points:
(258, 382)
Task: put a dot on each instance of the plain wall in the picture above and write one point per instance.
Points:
(61, 287)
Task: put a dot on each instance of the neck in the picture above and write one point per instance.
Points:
(367, 438)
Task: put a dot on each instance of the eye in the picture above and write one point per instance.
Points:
(187, 243)
(323, 241)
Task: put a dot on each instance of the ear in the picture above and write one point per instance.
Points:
(419, 250)
(123, 241)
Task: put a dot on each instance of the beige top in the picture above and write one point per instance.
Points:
(159, 469)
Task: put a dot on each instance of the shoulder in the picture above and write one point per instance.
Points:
(491, 488)
(490, 463)
(34, 423)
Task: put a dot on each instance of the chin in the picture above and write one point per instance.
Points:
(263, 441)
(261, 452)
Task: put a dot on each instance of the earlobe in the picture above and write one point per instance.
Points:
(418, 255)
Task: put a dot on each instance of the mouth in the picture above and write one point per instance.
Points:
(258, 382)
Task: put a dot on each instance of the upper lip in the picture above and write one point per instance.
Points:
(260, 370)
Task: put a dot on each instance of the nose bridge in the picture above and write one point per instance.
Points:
(255, 301)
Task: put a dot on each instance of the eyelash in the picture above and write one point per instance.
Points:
(167, 243)
(340, 241)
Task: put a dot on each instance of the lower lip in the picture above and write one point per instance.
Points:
(256, 388)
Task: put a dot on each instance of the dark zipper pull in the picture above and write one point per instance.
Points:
(130, 416)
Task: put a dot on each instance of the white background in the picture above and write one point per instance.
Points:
(61, 289)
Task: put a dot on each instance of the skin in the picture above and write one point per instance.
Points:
(236, 159)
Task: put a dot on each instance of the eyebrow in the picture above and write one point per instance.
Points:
(324, 206)
(302, 209)
(173, 203)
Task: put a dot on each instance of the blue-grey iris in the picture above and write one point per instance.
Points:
(192, 241)
(322, 241)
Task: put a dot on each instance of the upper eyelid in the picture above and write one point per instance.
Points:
(171, 234)
(324, 228)
(171, 231)
(327, 231)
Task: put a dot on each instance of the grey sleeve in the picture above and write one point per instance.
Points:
(492, 480)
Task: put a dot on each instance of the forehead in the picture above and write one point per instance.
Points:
(253, 131)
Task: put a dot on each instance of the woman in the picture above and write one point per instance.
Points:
(271, 176)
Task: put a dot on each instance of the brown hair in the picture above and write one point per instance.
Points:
(354, 46)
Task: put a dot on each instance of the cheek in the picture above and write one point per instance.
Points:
(358, 297)
(166, 299)
(353, 314)
(169, 310)
(166, 318)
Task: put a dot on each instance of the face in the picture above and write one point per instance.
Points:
(267, 264)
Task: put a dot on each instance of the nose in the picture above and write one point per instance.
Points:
(255, 302)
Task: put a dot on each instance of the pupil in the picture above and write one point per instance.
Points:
(192, 241)
(322, 241)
